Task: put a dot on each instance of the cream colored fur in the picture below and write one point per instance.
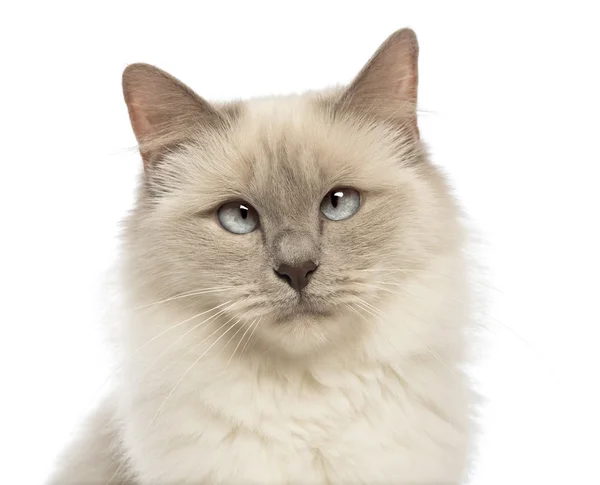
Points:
(234, 384)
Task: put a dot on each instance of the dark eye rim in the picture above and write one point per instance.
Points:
(361, 197)
(237, 201)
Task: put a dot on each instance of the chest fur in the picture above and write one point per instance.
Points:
(334, 427)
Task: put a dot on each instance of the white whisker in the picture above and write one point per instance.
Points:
(380, 285)
(250, 337)
(181, 323)
(233, 336)
(351, 308)
(187, 294)
(391, 270)
(424, 272)
(116, 473)
(239, 343)
(374, 308)
(212, 317)
(190, 368)
(118, 367)
(366, 309)
(407, 326)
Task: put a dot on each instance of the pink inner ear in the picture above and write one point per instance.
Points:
(139, 119)
(142, 127)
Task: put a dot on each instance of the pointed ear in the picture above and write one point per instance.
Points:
(163, 111)
(387, 85)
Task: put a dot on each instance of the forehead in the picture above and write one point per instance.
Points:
(291, 149)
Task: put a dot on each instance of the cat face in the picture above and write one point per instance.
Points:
(288, 215)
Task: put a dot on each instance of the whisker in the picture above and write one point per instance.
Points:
(488, 317)
(407, 326)
(239, 343)
(212, 317)
(426, 271)
(192, 348)
(116, 473)
(391, 270)
(250, 337)
(351, 308)
(477, 310)
(366, 309)
(118, 367)
(233, 336)
(190, 368)
(378, 287)
(374, 308)
(187, 294)
(182, 322)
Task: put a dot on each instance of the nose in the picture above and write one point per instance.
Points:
(296, 276)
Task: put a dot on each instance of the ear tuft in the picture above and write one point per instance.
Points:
(163, 111)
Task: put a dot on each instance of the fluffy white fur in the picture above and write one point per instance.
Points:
(371, 391)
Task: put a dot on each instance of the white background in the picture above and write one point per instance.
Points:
(510, 101)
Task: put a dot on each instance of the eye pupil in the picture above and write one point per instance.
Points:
(244, 212)
(335, 199)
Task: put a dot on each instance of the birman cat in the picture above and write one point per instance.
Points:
(295, 293)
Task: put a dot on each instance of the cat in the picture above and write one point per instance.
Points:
(296, 293)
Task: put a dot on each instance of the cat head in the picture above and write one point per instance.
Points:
(291, 215)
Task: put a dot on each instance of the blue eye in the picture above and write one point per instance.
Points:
(340, 204)
(238, 217)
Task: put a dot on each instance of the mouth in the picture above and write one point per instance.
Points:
(304, 308)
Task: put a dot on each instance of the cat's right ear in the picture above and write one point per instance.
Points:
(163, 111)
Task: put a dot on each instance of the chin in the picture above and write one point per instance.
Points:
(301, 332)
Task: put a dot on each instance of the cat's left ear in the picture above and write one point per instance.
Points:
(387, 84)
